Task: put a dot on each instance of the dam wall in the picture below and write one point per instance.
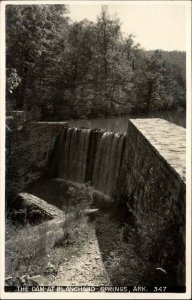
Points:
(28, 149)
(153, 181)
(155, 164)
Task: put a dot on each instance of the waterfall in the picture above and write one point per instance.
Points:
(90, 155)
(107, 162)
(73, 155)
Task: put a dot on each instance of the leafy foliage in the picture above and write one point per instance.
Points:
(70, 69)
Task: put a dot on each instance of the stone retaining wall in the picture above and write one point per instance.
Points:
(27, 152)
(153, 180)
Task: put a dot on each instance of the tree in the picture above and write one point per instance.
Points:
(27, 47)
(71, 69)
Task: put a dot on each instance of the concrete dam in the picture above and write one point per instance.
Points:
(146, 166)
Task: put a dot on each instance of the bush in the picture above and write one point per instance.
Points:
(79, 200)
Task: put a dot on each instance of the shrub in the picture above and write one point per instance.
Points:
(79, 200)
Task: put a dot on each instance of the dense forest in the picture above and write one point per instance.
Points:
(58, 69)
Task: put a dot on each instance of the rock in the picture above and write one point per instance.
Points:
(61, 268)
(37, 280)
(91, 211)
(9, 123)
(161, 270)
(160, 276)
(17, 281)
(9, 281)
(50, 269)
(23, 279)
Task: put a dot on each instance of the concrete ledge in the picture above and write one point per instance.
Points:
(48, 231)
(50, 123)
(49, 209)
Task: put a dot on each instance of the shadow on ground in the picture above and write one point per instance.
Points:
(118, 251)
(122, 252)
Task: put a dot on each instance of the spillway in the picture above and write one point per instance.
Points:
(92, 155)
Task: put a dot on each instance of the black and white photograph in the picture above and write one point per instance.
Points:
(96, 149)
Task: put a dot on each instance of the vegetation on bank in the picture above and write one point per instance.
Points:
(58, 69)
(130, 252)
(28, 250)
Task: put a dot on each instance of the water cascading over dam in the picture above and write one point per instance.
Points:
(73, 147)
(107, 162)
(83, 155)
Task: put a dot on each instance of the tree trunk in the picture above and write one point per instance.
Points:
(22, 91)
(149, 93)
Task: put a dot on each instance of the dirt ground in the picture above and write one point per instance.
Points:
(97, 256)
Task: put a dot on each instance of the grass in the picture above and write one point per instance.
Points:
(25, 252)
(28, 251)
